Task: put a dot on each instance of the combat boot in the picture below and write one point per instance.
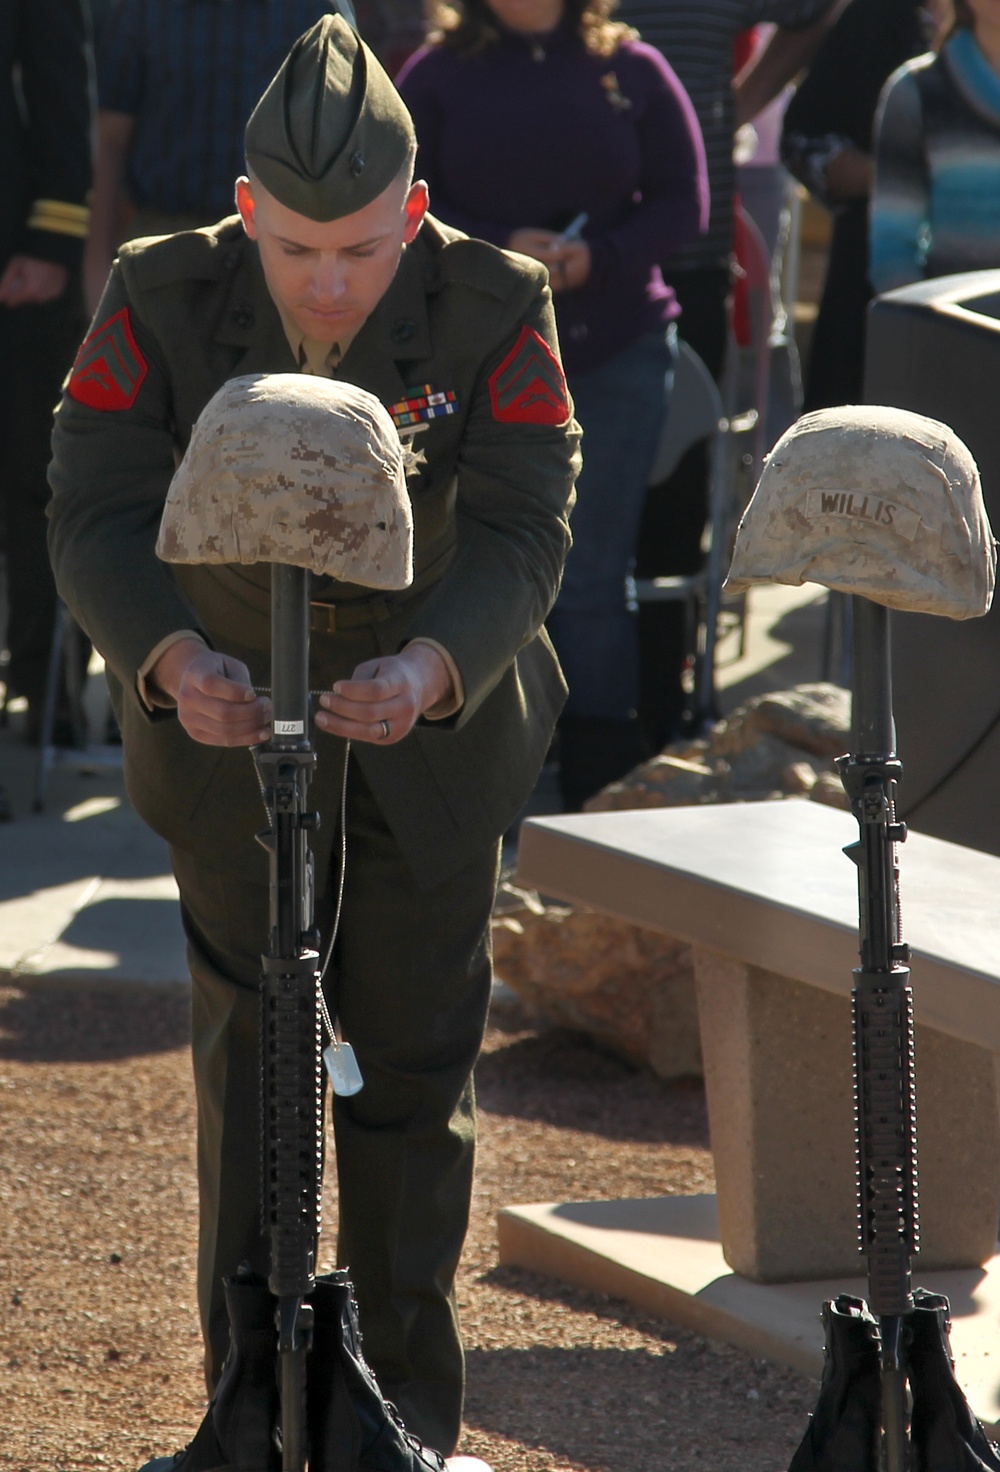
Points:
(237, 1433)
(352, 1427)
(843, 1430)
(944, 1434)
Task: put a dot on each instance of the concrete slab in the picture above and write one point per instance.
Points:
(87, 896)
(663, 1255)
(126, 930)
(766, 882)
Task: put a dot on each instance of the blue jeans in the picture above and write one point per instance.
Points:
(622, 407)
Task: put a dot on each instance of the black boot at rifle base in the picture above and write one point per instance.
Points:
(842, 1435)
(944, 1434)
(351, 1424)
(238, 1429)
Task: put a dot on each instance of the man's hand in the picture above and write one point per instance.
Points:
(850, 174)
(216, 703)
(385, 697)
(787, 53)
(29, 282)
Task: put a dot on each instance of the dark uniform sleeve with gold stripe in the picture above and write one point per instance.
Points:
(53, 55)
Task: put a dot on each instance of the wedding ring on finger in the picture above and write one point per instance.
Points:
(385, 729)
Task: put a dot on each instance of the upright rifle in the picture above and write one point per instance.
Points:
(885, 505)
(882, 1002)
(291, 1091)
(244, 465)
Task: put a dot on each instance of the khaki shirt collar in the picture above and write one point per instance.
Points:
(322, 359)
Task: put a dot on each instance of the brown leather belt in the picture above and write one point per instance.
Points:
(326, 618)
(359, 613)
(356, 613)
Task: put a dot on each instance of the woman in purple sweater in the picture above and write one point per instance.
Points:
(532, 117)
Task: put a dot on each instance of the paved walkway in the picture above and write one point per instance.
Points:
(86, 894)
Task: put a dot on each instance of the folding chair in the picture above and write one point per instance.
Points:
(66, 664)
(696, 414)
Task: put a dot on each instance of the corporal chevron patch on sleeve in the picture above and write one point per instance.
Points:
(109, 367)
(528, 387)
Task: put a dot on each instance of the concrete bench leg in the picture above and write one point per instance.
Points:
(778, 1076)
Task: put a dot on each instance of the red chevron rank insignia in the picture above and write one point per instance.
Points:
(528, 387)
(109, 367)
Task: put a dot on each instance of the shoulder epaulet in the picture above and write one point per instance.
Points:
(193, 255)
(479, 265)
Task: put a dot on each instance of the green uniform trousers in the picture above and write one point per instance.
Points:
(411, 985)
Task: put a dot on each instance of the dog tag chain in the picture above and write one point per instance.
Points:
(339, 1058)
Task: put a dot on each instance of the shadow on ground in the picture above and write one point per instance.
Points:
(57, 1025)
(591, 1090)
(801, 631)
(523, 1283)
(630, 1409)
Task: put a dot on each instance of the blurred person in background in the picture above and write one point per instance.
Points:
(936, 197)
(100, 13)
(827, 144)
(547, 128)
(176, 83)
(760, 177)
(394, 29)
(697, 38)
(764, 188)
(45, 131)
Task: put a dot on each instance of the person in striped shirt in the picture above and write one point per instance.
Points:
(176, 84)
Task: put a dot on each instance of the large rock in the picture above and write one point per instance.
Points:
(630, 989)
(815, 718)
(776, 745)
(633, 989)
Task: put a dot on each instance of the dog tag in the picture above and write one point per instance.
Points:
(342, 1066)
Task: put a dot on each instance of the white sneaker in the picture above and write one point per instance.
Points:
(467, 1464)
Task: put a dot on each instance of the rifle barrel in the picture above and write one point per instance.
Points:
(291, 1088)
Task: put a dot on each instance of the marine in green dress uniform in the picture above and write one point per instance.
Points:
(448, 690)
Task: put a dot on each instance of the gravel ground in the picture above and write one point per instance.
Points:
(98, 1330)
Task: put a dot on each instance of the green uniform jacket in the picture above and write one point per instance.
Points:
(490, 533)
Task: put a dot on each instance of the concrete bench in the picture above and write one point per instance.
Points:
(767, 899)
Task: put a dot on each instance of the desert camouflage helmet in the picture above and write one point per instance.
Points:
(874, 501)
(285, 467)
(331, 132)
